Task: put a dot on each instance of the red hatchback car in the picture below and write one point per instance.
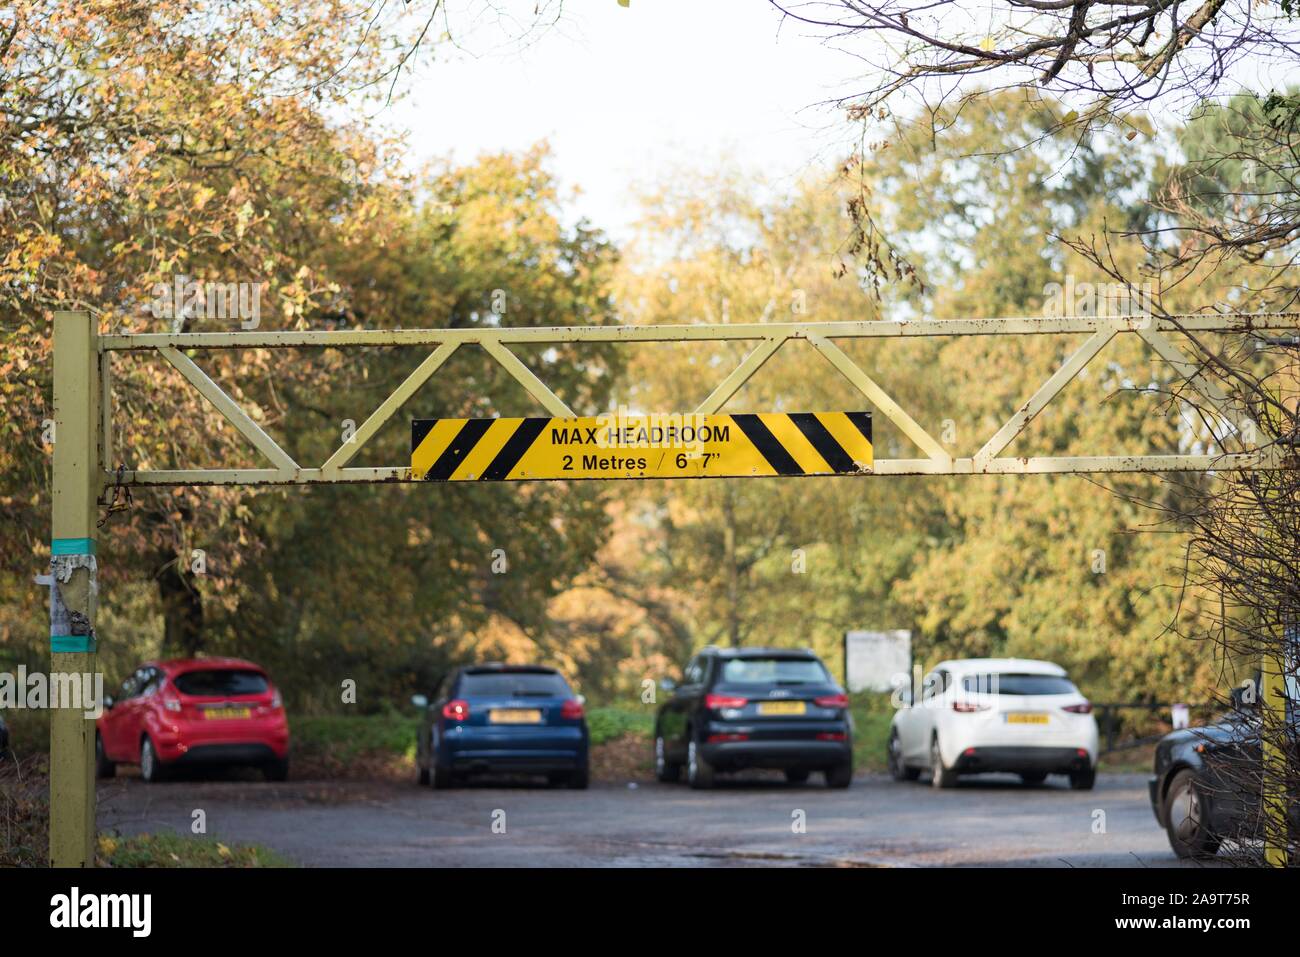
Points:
(195, 711)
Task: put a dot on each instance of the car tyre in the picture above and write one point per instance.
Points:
(277, 769)
(666, 771)
(443, 778)
(699, 773)
(898, 770)
(579, 779)
(840, 776)
(152, 769)
(940, 776)
(1083, 780)
(796, 776)
(104, 768)
(423, 777)
(1187, 815)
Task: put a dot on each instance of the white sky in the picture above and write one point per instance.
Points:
(625, 95)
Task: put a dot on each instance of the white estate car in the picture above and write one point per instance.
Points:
(994, 714)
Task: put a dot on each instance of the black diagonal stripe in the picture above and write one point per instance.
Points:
(863, 421)
(772, 450)
(825, 444)
(456, 451)
(420, 428)
(513, 450)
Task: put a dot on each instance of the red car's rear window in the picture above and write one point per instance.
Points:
(225, 682)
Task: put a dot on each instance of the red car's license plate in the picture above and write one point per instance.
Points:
(227, 714)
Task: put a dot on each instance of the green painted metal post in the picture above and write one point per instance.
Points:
(77, 479)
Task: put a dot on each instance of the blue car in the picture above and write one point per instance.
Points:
(492, 718)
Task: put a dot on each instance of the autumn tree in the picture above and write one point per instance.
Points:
(146, 144)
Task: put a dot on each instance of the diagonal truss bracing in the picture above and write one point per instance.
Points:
(768, 338)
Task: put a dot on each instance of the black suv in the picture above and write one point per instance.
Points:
(743, 708)
(1201, 791)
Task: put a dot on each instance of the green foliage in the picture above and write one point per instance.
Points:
(872, 715)
(24, 813)
(344, 738)
(168, 849)
(610, 722)
(29, 731)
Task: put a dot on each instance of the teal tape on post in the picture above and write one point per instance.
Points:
(72, 546)
(72, 643)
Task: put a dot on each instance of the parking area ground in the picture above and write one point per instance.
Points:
(744, 822)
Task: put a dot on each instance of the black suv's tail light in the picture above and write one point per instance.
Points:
(832, 701)
(717, 702)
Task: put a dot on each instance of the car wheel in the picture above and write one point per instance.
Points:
(898, 770)
(1187, 813)
(277, 769)
(840, 776)
(665, 770)
(579, 779)
(443, 778)
(423, 777)
(104, 768)
(1034, 777)
(940, 776)
(151, 769)
(796, 776)
(699, 773)
(1083, 780)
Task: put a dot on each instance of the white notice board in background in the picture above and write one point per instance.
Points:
(872, 659)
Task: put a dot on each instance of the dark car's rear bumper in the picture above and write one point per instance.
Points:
(1018, 760)
(778, 754)
(516, 762)
(521, 750)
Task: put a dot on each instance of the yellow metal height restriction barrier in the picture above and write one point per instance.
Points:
(562, 446)
(641, 446)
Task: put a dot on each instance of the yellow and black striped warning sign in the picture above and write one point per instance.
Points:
(641, 446)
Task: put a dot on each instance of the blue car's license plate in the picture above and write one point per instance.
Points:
(514, 716)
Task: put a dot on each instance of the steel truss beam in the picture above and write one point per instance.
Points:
(768, 339)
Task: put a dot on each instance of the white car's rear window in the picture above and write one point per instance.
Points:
(1018, 684)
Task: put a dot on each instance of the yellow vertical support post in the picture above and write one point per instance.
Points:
(77, 480)
(1272, 728)
(1273, 667)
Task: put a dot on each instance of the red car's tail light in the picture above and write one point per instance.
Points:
(832, 701)
(718, 738)
(571, 709)
(457, 710)
(967, 707)
(1085, 708)
(172, 704)
(276, 701)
